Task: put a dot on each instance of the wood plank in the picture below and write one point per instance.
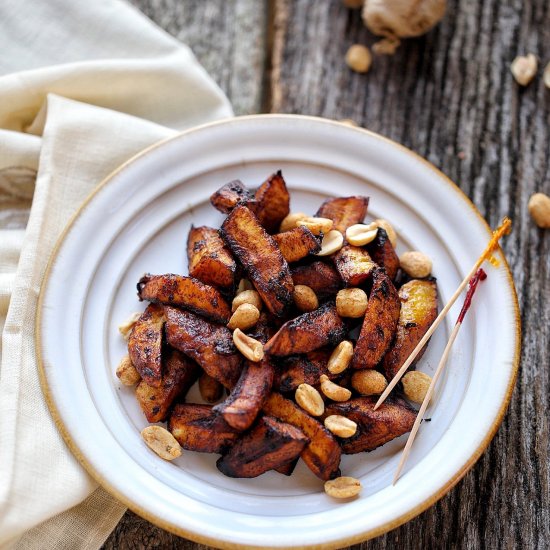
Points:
(227, 37)
(450, 97)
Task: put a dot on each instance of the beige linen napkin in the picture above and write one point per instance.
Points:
(96, 83)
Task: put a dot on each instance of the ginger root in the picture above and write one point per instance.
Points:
(395, 19)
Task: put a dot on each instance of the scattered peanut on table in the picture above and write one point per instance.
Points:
(539, 208)
(524, 68)
(358, 58)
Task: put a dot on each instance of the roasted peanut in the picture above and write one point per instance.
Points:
(340, 358)
(249, 347)
(416, 264)
(415, 385)
(546, 75)
(331, 243)
(351, 302)
(310, 400)
(291, 220)
(368, 382)
(126, 327)
(316, 225)
(539, 208)
(247, 297)
(161, 441)
(244, 284)
(361, 234)
(304, 298)
(524, 68)
(358, 58)
(340, 425)
(333, 391)
(244, 317)
(388, 228)
(343, 487)
(127, 373)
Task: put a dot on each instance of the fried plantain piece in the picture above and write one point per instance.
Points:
(261, 258)
(418, 311)
(322, 453)
(374, 428)
(305, 369)
(322, 278)
(379, 323)
(145, 344)
(186, 292)
(210, 261)
(199, 428)
(210, 389)
(230, 195)
(210, 345)
(382, 252)
(297, 243)
(272, 202)
(344, 211)
(308, 332)
(353, 264)
(270, 444)
(288, 468)
(246, 399)
(180, 373)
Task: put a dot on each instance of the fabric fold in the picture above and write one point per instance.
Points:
(97, 82)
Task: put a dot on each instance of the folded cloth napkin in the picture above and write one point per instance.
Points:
(96, 82)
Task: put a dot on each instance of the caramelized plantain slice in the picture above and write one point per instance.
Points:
(322, 278)
(180, 373)
(261, 258)
(305, 369)
(322, 453)
(308, 332)
(297, 243)
(288, 468)
(230, 195)
(246, 399)
(272, 202)
(186, 292)
(418, 311)
(199, 428)
(374, 428)
(379, 323)
(210, 389)
(145, 344)
(344, 211)
(354, 265)
(210, 261)
(270, 444)
(210, 345)
(382, 252)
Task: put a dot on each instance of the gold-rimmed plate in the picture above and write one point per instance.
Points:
(138, 220)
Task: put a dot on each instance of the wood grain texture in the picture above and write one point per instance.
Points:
(450, 97)
(227, 36)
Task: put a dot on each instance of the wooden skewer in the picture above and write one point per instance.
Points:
(479, 275)
(504, 228)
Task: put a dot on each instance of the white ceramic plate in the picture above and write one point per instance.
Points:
(137, 221)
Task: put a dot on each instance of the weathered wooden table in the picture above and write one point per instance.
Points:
(450, 97)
